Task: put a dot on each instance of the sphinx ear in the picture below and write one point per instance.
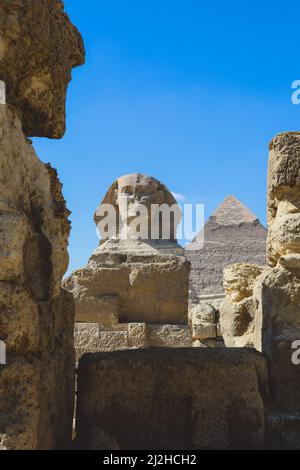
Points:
(109, 198)
(168, 196)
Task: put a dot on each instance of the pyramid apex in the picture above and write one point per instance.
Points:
(233, 212)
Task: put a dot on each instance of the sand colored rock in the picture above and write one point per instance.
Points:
(37, 316)
(92, 338)
(173, 399)
(238, 310)
(277, 290)
(204, 322)
(277, 293)
(271, 296)
(284, 198)
(38, 49)
(150, 288)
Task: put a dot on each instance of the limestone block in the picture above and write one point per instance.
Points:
(101, 309)
(39, 47)
(209, 343)
(113, 340)
(137, 335)
(202, 312)
(89, 337)
(169, 336)
(238, 309)
(209, 398)
(203, 330)
(151, 288)
(277, 294)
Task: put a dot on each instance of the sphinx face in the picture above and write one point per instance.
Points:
(39, 47)
(139, 207)
(135, 196)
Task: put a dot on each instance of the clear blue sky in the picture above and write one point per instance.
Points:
(188, 91)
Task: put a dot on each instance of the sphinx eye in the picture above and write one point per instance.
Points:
(127, 191)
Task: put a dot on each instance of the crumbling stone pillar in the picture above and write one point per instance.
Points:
(261, 308)
(36, 314)
(277, 289)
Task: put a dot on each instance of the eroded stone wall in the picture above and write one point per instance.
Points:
(172, 399)
(37, 316)
(38, 49)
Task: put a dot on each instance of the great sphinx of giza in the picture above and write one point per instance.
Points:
(135, 200)
(132, 277)
(38, 49)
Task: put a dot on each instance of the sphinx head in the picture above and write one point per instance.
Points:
(39, 46)
(143, 207)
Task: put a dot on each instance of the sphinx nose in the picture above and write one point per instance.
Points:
(77, 55)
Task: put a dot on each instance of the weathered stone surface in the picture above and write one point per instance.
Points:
(209, 343)
(277, 290)
(283, 197)
(101, 309)
(282, 432)
(173, 399)
(90, 337)
(38, 49)
(270, 298)
(203, 321)
(169, 336)
(202, 312)
(238, 310)
(277, 293)
(37, 316)
(203, 330)
(151, 288)
(137, 335)
(232, 234)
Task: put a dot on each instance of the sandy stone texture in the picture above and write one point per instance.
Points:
(173, 399)
(238, 310)
(37, 315)
(38, 48)
(91, 337)
(151, 288)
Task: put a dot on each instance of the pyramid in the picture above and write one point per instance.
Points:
(232, 234)
(233, 212)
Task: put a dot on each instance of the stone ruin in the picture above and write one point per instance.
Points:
(172, 399)
(268, 308)
(36, 314)
(133, 293)
(220, 398)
